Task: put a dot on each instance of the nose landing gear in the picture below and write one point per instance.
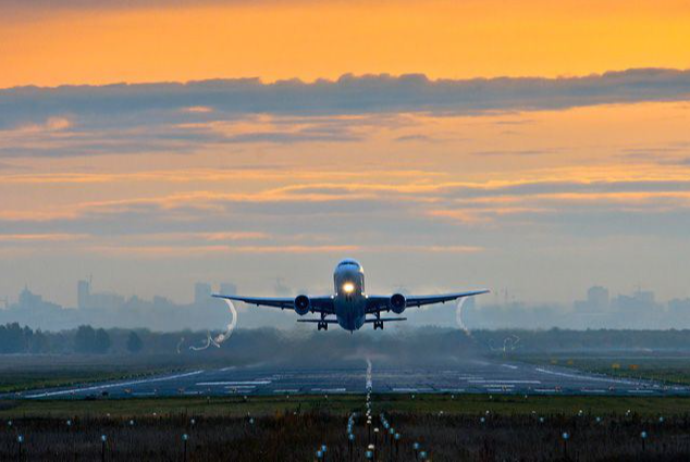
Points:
(322, 325)
(378, 325)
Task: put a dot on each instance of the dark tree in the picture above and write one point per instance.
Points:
(13, 338)
(134, 343)
(39, 343)
(102, 341)
(85, 340)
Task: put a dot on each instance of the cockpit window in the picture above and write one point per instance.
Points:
(353, 263)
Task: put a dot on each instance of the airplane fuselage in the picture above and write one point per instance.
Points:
(349, 300)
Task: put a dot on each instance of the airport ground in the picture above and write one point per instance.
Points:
(447, 427)
(471, 405)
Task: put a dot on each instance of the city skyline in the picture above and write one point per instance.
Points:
(599, 309)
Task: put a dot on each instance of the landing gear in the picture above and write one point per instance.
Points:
(322, 325)
(378, 325)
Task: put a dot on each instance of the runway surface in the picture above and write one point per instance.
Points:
(469, 376)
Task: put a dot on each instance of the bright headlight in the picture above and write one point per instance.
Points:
(348, 287)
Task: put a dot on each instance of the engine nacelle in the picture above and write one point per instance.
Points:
(398, 303)
(302, 305)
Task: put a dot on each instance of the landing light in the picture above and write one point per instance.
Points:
(348, 287)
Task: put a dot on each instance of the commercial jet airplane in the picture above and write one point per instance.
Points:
(350, 304)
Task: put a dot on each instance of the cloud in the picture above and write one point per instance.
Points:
(427, 211)
(185, 117)
(348, 95)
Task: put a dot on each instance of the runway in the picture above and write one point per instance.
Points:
(469, 376)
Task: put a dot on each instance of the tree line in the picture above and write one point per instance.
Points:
(15, 339)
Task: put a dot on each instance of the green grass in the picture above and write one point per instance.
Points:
(670, 369)
(28, 372)
(344, 404)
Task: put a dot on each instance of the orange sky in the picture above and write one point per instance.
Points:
(327, 39)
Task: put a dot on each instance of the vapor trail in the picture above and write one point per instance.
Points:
(222, 337)
(208, 344)
(179, 345)
(458, 317)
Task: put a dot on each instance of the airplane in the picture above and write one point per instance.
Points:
(350, 304)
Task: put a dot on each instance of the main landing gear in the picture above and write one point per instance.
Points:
(378, 325)
(322, 325)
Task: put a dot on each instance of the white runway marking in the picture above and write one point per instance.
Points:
(238, 383)
(501, 382)
(113, 385)
(586, 377)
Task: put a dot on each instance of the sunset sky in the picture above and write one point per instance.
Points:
(535, 146)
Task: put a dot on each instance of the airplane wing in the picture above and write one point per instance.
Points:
(382, 303)
(318, 304)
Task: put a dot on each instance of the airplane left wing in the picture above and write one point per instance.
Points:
(317, 304)
(380, 303)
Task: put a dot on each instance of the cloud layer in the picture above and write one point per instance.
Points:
(348, 95)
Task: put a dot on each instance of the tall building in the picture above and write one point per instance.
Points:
(202, 293)
(98, 300)
(598, 298)
(83, 294)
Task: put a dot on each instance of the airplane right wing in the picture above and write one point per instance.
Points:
(376, 304)
(317, 304)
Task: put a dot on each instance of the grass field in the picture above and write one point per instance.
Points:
(343, 404)
(668, 368)
(463, 428)
(25, 372)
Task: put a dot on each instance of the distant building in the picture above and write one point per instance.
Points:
(680, 308)
(597, 301)
(30, 302)
(640, 302)
(100, 300)
(83, 294)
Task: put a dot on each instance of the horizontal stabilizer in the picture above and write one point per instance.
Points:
(385, 320)
(327, 321)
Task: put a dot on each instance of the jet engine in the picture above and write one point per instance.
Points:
(398, 303)
(302, 305)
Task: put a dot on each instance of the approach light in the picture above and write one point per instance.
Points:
(348, 287)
